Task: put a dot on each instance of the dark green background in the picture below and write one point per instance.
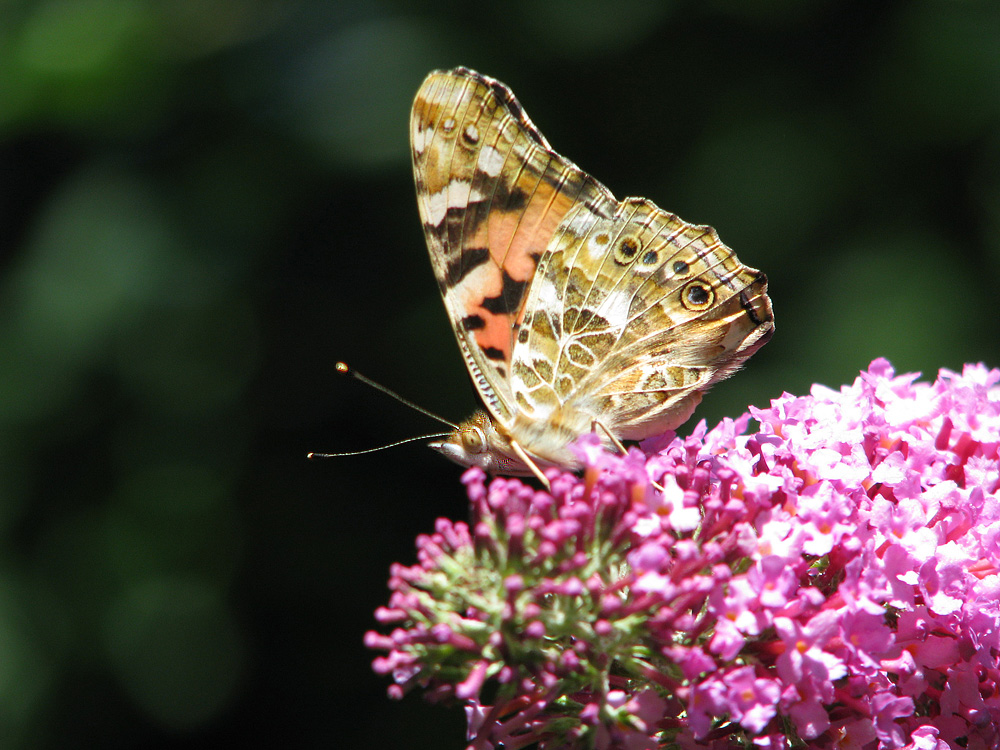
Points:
(207, 203)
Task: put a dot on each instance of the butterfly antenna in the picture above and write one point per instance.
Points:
(313, 456)
(344, 369)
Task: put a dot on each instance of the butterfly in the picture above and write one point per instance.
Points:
(574, 312)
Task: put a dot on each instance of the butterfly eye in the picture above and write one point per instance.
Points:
(651, 258)
(697, 296)
(681, 268)
(627, 249)
(473, 440)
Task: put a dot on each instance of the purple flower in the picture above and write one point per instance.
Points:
(832, 579)
(752, 701)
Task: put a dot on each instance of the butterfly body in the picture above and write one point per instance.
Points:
(573, 311)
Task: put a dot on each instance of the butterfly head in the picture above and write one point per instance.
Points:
(478, 442)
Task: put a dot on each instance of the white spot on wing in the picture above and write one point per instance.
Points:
(547, 298)
(615, 308)
(490, 161)
(435, 207)
(456, 194)
(595, 249)
(421, 138)
(581, 221)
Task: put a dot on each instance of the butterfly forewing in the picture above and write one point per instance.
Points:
(491, 195)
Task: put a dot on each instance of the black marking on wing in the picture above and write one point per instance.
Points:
(493, 353)
(509, 300)
(748, 307)
(506, 98)
(502, 93)
(456, 214)
(473, 322)
(463, 265)
(510, 200)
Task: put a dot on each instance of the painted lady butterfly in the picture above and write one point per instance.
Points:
(574, 311)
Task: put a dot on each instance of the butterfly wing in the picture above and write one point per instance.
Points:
(569, 307)
(631, 317)
(491, 195)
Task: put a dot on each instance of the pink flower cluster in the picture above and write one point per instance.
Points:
(830, 581)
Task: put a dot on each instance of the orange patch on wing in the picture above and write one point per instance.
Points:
(515, 240)
(496, 333)
(486, 282)
(515, 236)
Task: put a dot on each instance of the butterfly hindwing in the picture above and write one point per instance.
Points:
(694, 318)
(631, 317)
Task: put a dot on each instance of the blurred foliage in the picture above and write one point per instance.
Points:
(207, 203)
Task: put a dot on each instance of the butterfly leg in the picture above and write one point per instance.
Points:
(522, 454)
(614, 441)
(620, 446)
